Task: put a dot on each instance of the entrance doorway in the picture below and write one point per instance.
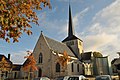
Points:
(39, 72)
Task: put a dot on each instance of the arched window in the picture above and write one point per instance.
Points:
(57, 67)
(40, 58)
(72, 67)
(77, 67)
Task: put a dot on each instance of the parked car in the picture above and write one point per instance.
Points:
(42, 78)
(103, 77)
(60, 78)
(75, 77)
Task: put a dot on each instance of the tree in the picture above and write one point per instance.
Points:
(5, 66)
(64, 59)
(97, 54)
(16, 16)
(30, 64)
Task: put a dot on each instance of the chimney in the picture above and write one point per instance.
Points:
(9, 56)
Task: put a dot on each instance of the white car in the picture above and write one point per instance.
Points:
(42, 78)
(103, 77)
(75, 77)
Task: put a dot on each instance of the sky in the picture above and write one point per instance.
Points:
(96, 22)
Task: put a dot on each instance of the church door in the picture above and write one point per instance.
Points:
(39, 72)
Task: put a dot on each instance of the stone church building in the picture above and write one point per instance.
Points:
(47, 49)
(85, 63)
(46, 54)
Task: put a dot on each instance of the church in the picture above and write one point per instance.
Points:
(47, 50)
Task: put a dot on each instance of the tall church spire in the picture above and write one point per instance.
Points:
(71, 34)
(70, 26)
(74, 43)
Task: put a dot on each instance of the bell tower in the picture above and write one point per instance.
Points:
(73, 42)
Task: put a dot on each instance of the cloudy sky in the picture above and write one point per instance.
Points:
(96, 22)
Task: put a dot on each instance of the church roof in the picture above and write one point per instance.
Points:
(58, 46)
(113, 61)
(16, 67)
(76, 55)
(117, 62)
(73, 37)
(89, 55)
(86, 56)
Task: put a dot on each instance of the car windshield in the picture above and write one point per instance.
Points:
(44, 78)
(60, 78)
(73, 78)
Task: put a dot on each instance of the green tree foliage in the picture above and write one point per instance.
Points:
(97, 54)
(16, 16)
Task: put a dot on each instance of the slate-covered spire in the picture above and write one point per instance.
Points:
(71, 34)
(70, 26)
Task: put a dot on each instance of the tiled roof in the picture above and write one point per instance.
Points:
(76, 55)
(117, 61)
(58, 46)
(1, 56)
(71, 38)
(86, 56)
(16, 67)
(8, 65)
(112, 62)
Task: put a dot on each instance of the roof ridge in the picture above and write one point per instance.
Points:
(73, 37)
(1, 54)
(55, 40)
